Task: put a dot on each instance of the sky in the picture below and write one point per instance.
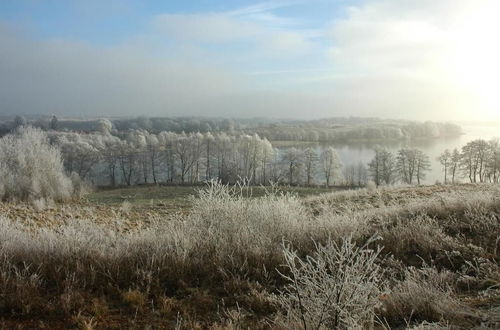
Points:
(306, 59)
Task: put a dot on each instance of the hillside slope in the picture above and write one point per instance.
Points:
(222, 264)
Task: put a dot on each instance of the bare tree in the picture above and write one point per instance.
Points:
(209, 140)
(445, 159)
(184, 150)
(406, 164)
(423, 166)
(362, 174)
(330, 164)
(127, 159)
(110, 158)
(293, 159)
(310, 164)
(268, 153)
(153, 155)
(473, 162)
(455, 163)
(382, 168)
(493, 162)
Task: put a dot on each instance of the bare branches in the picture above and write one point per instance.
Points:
(338, 286)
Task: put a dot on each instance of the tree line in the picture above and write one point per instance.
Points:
(140, 157)
(325, 130)
(111, 158)
(477, 161)
(371, 131)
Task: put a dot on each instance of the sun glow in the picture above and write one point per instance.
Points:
(475, 56)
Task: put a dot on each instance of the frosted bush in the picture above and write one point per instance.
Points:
(337, 287)
(230, 220)
(31, 169)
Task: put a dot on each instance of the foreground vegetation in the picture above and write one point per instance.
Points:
(422, 257)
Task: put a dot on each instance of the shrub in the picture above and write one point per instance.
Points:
(31, 169)
(337, 287)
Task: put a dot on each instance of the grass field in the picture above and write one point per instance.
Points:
(152, 257)
(177, 197)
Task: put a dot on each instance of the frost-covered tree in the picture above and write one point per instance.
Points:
(208, 141)
(19, 121)
(330, 164)
(454, 163)
(310, 164)
(383, 167)
(493, 164)
(474, 159)
(32, 169)
(54, 123)
(127, 161)
(412, 164)
(406, 164)
(184, 149)
(104, 126)
(153, 155)
(423, 165)
(80, 153)
(110, 155)
(266, 159)
(362, 174)
(293, 159)
(445, 161)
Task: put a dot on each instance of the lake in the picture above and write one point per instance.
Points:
(354, 152)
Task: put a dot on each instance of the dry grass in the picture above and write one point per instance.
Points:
(218, 265)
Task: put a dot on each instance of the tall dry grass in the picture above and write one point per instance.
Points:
(225, 259)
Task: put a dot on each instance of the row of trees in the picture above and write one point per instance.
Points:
(371, 131)
(139, 156)
(478, 161)
(408, 166)
(37, 165)
(325, 130)
(142, 157)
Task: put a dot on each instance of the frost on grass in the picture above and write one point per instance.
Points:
(226, 252)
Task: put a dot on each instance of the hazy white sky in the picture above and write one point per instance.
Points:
(426, 59)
